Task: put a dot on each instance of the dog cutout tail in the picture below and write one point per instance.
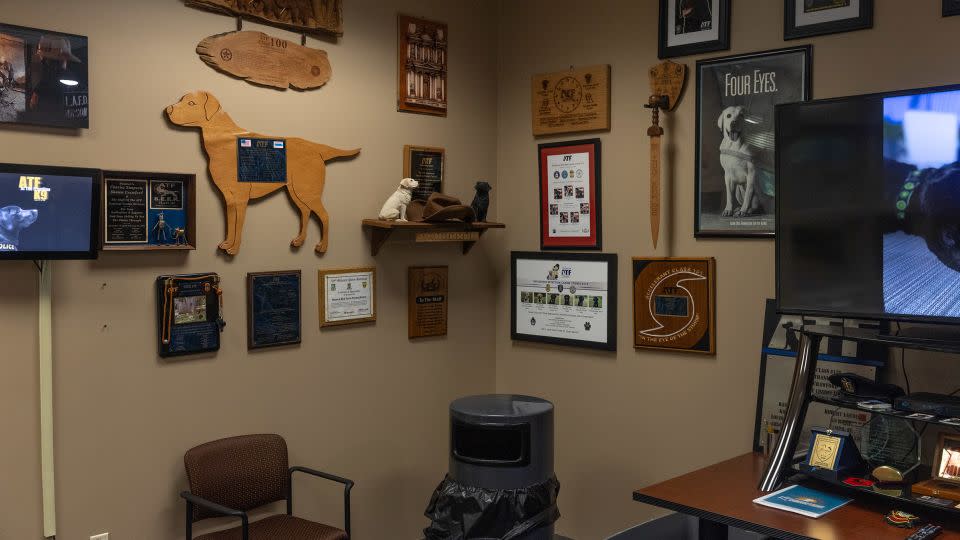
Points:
(329, 152)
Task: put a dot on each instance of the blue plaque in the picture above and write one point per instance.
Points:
(261, 160)
(273, 309)
(188, 308)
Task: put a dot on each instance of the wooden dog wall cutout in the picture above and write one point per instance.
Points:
(305, 167)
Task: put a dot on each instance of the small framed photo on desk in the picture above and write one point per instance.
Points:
(947, 458)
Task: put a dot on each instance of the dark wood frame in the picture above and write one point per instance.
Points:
(610, 259)
(808, 94)
(711, 293)
(722, 43)
(947, 11)
(402, 105)
(250, 277)
(596, 214)
(408, 150)
(791, 31)
(189, 200)
(938, 455)
(321, 274)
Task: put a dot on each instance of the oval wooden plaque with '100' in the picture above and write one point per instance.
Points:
(262, 59)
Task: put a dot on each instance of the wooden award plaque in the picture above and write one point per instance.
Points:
(571, 101)
(427, 311)
(668, 79)
(316, 17)
(674, 304)
(265, 60)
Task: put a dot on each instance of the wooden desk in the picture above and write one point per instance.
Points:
(722, 495)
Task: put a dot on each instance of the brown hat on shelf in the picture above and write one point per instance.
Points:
(440, 207)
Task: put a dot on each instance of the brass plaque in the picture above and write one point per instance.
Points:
(571, 101)
(823, 451)
(427, 301)
(449, 236)
(674, 304)
(667, 79)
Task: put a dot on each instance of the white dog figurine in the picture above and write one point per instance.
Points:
(737, 160)
(396, 205)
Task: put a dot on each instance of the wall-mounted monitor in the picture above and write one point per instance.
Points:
(43, 78)
(48, 212)
(868, 206)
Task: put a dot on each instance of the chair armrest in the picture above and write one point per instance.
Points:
(347, 486)
(218, 508)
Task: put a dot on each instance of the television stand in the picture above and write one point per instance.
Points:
(940, 339)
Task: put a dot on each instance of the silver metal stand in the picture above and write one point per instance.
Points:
(803, 374)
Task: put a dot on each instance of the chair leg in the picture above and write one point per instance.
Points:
(189, 520)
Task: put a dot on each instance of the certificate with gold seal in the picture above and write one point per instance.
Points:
(347, 296)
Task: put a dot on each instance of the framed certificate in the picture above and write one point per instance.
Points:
(273, 309)
(425, 165)
(348, 296)
(564, 299)
(570, 195)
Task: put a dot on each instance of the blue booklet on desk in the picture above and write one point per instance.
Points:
(802, 500)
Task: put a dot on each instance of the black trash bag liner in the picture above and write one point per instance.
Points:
(459, 512)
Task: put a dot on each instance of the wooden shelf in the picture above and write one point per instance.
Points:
(381, 230)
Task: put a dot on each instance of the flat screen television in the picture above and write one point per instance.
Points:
(868, 206)
(48, 212)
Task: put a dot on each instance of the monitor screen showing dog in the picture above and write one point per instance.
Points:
(868, 222)
(48, 213)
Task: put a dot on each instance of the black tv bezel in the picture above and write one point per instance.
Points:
(96, 175)
(892, 317)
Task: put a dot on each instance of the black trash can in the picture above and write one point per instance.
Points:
(501, 482)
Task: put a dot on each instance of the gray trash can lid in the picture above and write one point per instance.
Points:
(502, 406)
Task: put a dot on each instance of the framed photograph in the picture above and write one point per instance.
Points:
(425, 165)
(144, 211)
(806, 18)
(427, 301)
(946, 466)
(348, 296)
(951, 8)
(736, 95)
(564, 299)
(422, 66)
(674, 304)
(570, 215)
(273, 309)
(693, 27)
(43, 78)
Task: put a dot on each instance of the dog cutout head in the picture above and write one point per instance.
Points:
(194, 109)
(409, 183)
(482, 187)
(14, 219)
(730, 122)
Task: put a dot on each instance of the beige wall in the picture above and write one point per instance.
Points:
(632, 418)
(363, 401)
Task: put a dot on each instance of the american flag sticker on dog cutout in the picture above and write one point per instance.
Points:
(246, 143)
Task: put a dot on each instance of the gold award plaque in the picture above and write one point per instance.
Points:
(823, 453)
(571, 101)
(427, 309)
(674, 304)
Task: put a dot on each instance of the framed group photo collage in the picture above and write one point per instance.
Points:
(570, 212)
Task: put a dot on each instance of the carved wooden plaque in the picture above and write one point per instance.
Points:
(674, 304)
(427, 313)
(306, 16)
(667, 79)
(262, 59)
(570, 101)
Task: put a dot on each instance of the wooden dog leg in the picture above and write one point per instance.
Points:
(241, 214)
(304, 220)
(231, 202)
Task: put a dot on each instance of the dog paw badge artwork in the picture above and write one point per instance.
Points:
(245, 165)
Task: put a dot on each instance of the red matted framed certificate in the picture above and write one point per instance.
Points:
(570, 195)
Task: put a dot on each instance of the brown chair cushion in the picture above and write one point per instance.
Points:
(238, 472)
(282, 527)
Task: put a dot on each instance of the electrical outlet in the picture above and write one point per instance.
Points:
(103, 536)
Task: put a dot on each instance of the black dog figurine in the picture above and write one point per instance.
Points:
(13, 219)
(481, 201)
(926, 203)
